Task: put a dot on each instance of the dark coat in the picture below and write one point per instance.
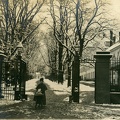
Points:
(43, 88)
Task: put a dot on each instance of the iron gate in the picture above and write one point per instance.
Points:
(87, 70)
(13, 79)
(115, 75)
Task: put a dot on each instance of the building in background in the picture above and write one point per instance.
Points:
(112, 44)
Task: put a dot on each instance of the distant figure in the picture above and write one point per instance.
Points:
(43, 88)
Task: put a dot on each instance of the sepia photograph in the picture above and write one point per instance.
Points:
(60, 59)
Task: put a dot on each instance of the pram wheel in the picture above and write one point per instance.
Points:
(39, 101)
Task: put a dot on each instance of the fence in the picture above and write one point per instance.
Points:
(115, 75)
(87, 69)
(13, 79)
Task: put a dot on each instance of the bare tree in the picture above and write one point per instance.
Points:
(18, 22)
(61, 22)
(52, 54)
(86, 21)
(19, 25)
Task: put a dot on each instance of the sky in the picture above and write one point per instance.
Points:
(114, 12)
(115, 8)
(115, 4)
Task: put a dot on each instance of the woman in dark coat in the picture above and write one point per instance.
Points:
(43, 88)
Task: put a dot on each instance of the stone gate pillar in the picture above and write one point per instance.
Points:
(102, 77)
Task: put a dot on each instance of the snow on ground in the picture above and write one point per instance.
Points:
(30, 84)
(8, 102)
(63, 89)
(57, 88)
(86, 88)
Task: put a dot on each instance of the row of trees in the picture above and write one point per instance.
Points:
(19, 24)
(75, 26)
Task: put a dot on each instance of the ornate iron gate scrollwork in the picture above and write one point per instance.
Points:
(13, 79)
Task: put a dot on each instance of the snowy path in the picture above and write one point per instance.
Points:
(57, 88)
(57, 107)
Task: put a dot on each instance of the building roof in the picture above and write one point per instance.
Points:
(114, 47)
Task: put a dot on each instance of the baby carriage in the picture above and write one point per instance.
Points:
(38, 98)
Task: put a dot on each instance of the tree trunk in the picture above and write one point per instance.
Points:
(60, 66)
(75, 78)
(69, 76)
